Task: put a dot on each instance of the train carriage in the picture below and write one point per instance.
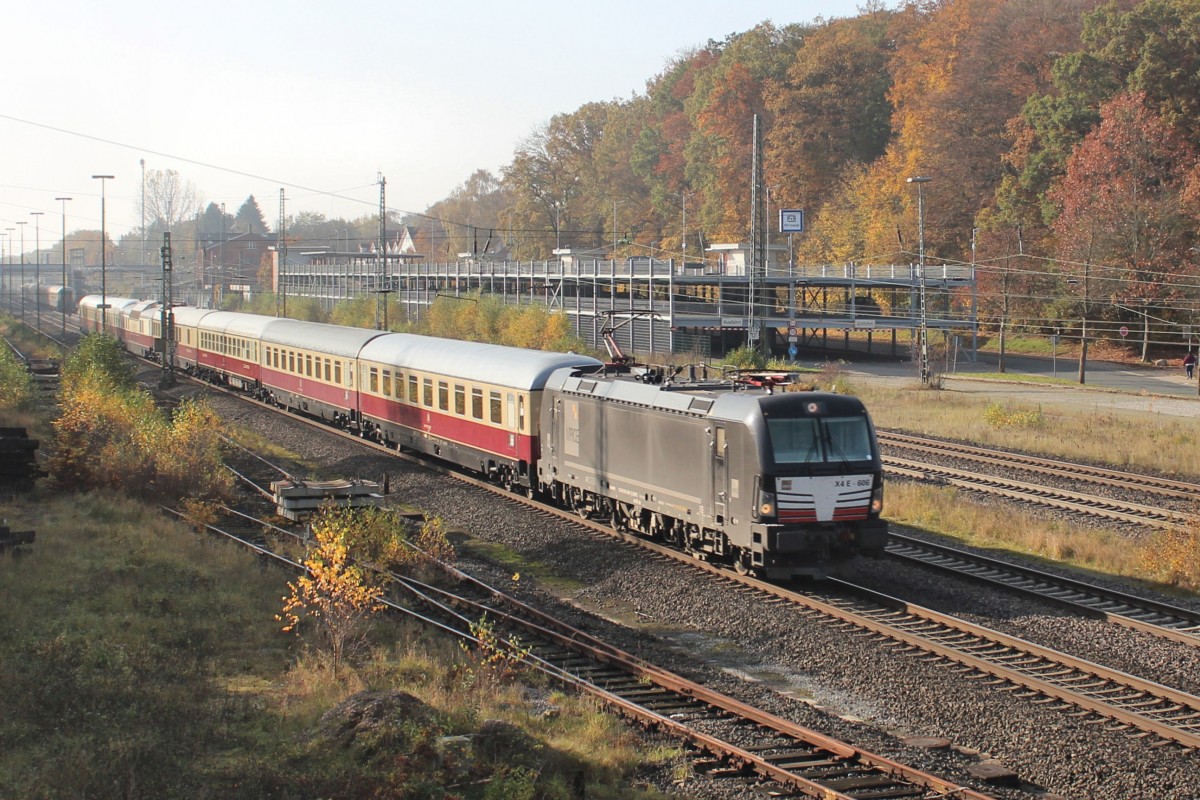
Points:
(49, 298)
(60, 299)
(186, 322)
(469, 403)
(92, 318)
(229, 346)
(142, 326)
(782, 483)
(311, 367)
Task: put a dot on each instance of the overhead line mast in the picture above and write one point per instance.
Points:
(281, 251)
(381, 288)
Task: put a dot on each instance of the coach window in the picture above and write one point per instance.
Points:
(521, 412)
(460, 400)
(496, 409)
(477, 403)
(337, 372)
(327, 370)
(308, 365)
(399, 386)
(428, 391)
(387, 383)
(291, 361)
(413, 393)
(443, 396)
(374, 380)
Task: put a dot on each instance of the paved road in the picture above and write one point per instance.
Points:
(1163, 390)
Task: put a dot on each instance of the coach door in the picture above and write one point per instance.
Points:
(720, 462)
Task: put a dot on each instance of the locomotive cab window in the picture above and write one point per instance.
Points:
(849, 439)
(806, 440)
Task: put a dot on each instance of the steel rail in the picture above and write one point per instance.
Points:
(1091, 505)
(1086, 472)
(1138, 613)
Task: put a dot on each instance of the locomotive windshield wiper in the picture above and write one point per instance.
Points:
(834, 449)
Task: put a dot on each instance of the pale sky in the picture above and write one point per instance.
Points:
(316, 98)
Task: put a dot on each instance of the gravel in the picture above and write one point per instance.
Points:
(848, 686)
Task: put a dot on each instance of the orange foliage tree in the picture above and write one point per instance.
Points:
(333, 592)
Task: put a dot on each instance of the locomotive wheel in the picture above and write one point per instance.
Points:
(740, 566)
(575, 501)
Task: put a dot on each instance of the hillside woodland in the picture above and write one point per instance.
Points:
(1059, 137)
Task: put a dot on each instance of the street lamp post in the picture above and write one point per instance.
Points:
(924, 335)
(63, 309)
(103, 254)
(22, 224)
(37, 271)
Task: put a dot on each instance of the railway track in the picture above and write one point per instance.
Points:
(730, 739)
(973, 477)
(1158, 619)
(1149, 484)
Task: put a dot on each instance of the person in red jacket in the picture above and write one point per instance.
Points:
(1189, 364)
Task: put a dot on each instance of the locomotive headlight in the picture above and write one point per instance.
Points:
(766, 505)
(877, 499)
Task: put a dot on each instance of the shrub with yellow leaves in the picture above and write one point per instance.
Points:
(333, 592)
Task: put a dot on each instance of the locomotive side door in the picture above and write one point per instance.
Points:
(720, 471)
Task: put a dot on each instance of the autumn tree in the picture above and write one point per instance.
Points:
(1120, 205)
(334, 593)
(831, 109)
(552, 178)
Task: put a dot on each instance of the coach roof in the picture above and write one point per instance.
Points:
(511, 367)
(236, 323)
(334, 340)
